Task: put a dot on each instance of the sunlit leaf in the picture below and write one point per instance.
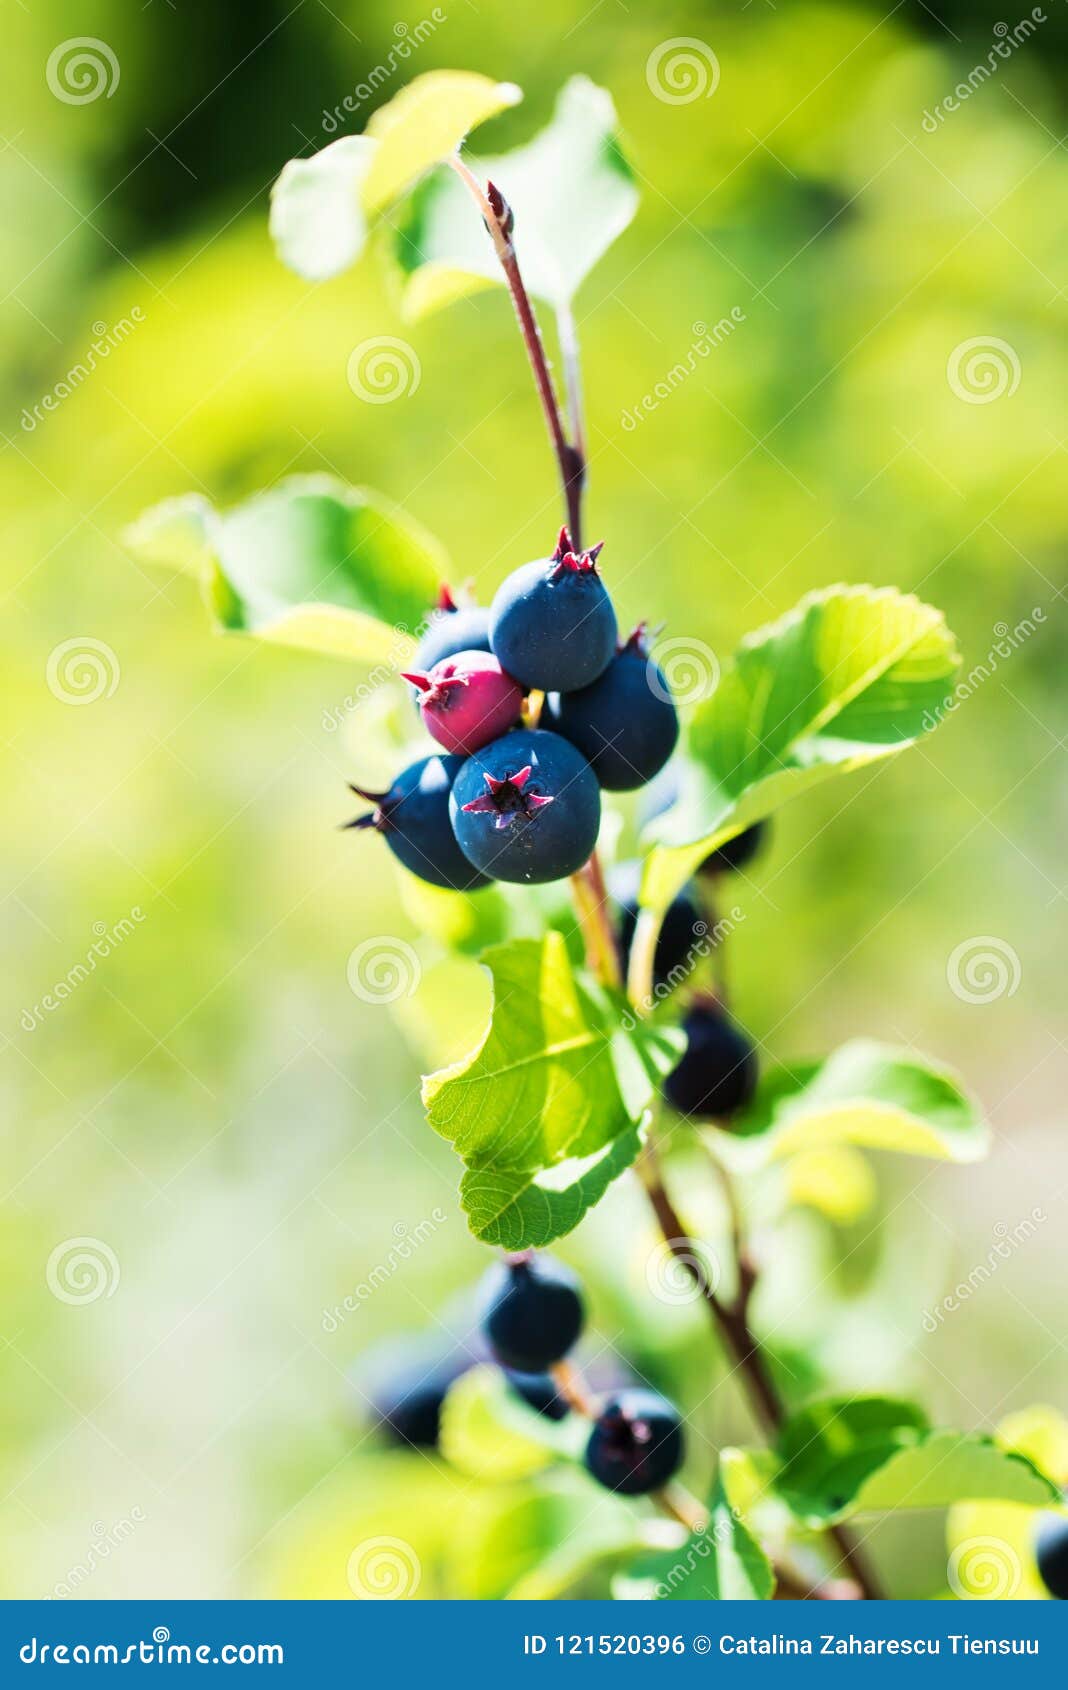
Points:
(723, 1562)
(318, 223)
(311, 563)
(488, 1432)
(852, 675)
(572, 193)
(426, 122)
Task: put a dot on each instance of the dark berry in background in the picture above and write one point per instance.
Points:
(552, 625)
(401, 1385)
(624, 722)
(682, 930)
(539, 1392)
(1051, 1553)
(451, 629)
(413, 819)
(636, 1444)
(717, 1074)
(526, 808)
(533, 1312)
(739, 851)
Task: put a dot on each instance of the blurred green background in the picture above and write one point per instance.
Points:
(213, 1102)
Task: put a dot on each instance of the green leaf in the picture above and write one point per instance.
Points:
(546, 1111)
(845, 1456)
(488, 1432)
(572, 192)
(311, 563)
(866, 1094)
(851, 675)
(557, 1535)
(318, 223)
(426, 122)
(722, 1563)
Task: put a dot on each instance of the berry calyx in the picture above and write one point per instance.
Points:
(1051, 1554)
(413, 819)
(717, 1074)
(636, 1444)
(552, 625)
(534, 1312)
(625, 721)
(451, 627)
(467, 700)
(526, 808)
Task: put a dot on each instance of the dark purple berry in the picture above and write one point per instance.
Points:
(452, 628)
(718, 1071)
(636, 1444)
(467, 700)
(403, 1383)
(526, 808)
(539, 1392)
(1051, 1553)
(552, 625)
(624, 722)
(682, 931)
(413, 819)
(533, 1312)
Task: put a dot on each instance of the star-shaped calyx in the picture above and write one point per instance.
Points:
(508, 798)
(378, 818)
(567, 561)
(434, 688)
(640, 642)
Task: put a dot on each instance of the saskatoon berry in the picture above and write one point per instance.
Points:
(533, 1312)
(552, 624)
(539, 1391)
(452, 628)
(1051, 1553)
(413, 819)
(718, 1070)
(526, 808)
(405, 1382)
(682, 929)
(467, 700)
(625, 721)
(636, 1444)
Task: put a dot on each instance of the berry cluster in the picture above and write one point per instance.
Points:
(533, 1313)
(512, 800)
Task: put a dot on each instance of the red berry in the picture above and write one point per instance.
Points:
(467, 700)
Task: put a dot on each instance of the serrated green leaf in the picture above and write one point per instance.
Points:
(317, 221)
(722, 1563)
(572, 192)
(311, 563)
(845, 1456)
(867, 1094)
(426, 122)
(851, 675)
(488, 1432)
(546, 1111)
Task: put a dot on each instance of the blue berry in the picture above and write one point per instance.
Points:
(683, 928)
(636, 1444)
(526, 808)
(718, 1071)
(625, 721)
(413, 819)
(539, 1392)
(404, 1381)
(533, 1312)
(452, 628)
(1051, 1553)
(552, 625)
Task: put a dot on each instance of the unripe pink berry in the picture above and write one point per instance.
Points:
(467, 700)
